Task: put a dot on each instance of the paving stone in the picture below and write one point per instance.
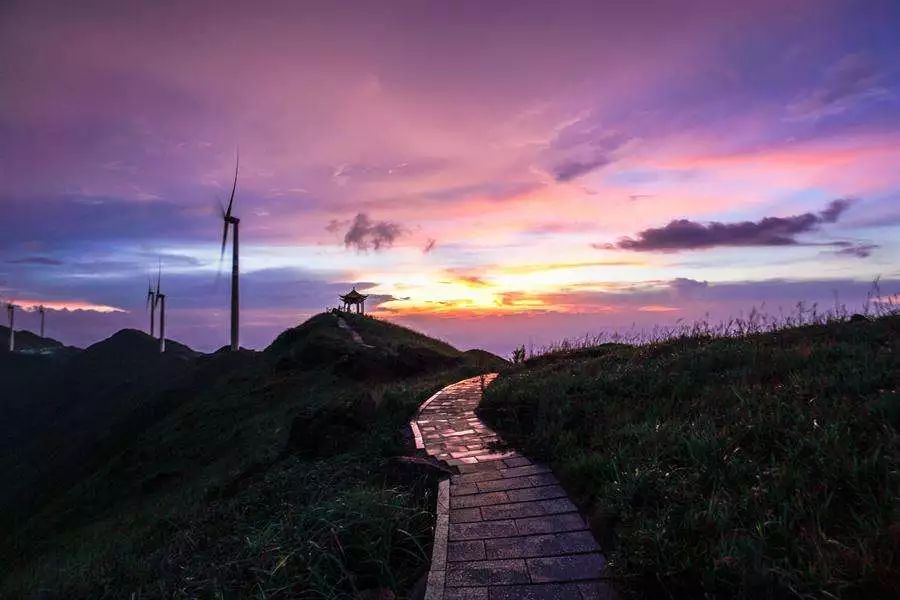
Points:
(478, 499)
(522, 471)
(532, 546)
(461, 489)
(498, 456)
(536, 493)
(471, 550)
(476, 476)
(547, 591)
(483, 530)
(465, 515)
(550, 523)
(566, 568)
(458, 433)
(517, 462)
(464, 453)
(543, 479)
(520, 510)
(479, 467)
(466, 593)
(486, 572)
(494, 485)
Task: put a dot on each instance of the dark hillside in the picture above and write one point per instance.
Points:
(267, 474)
(68, 414)
(30, 343)
(763, 466)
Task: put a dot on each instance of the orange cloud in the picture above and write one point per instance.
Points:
(657, 308)
(70, 305)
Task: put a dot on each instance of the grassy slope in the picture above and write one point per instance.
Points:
(67, 411)
(272, 481)
(765, 466)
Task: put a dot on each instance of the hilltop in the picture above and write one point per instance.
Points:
(363, 347)
(30, 343)
(754, 466)
(225, 473)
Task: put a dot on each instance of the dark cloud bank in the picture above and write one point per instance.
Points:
(684, 234)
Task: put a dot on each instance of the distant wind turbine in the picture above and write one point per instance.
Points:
(233, 221)
(11, 313)
(159, 299)
(151, 305)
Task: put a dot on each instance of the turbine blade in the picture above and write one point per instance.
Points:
(237, 163)
(224, 240)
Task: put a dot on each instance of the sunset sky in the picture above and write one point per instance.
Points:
(494, 173)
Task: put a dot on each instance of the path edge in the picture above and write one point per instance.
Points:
(434, 588)
(417, 435)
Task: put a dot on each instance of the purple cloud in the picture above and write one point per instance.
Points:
(850, 80)
(429, 245)
(365, 234)
(684, 234)
(857, 249)
(582, 147)
(35, 260)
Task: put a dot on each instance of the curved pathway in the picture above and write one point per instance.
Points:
(505, 528)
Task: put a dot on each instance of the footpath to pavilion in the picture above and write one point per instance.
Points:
(505, 528)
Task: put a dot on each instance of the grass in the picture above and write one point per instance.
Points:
(275, 481)
(760, 462)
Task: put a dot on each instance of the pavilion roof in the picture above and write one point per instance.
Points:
(353, 296)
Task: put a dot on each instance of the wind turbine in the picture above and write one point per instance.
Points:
(42, 310)
(160, 299)
(233, 221)
(11, 313)
(151, 305)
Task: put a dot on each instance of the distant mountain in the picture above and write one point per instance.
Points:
(131, 345)
(30, 343)
(66, 407)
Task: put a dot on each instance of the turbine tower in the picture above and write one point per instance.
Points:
(42, 310)
(151, 305)
(234, 222)
(159, 299)
(11, 313)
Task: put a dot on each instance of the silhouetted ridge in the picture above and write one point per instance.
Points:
(363, 347)
(30, 343)
(130, 344)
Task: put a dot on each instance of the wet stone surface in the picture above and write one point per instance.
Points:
(513, 533)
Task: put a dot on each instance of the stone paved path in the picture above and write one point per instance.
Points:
(506, 530)
(342, 323)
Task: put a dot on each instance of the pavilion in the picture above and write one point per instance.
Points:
(354, 298)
